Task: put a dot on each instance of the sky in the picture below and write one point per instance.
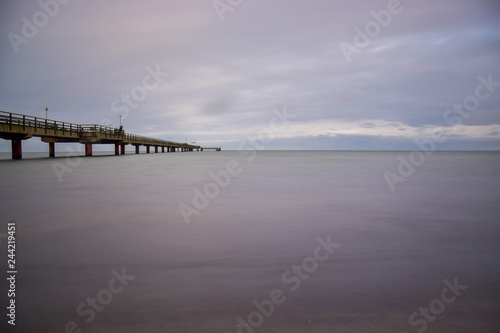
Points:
(275, 74)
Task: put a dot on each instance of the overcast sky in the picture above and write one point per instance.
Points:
(230, 66)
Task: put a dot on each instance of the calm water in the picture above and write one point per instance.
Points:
(122, 213)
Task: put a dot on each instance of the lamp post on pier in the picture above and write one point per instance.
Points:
(46, 110)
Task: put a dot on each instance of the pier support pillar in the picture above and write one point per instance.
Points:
(117, 149)
(137, 149)
(163, 149)
(88, 149)
(156, 149)
(147, 149)
(52, 149)
(123, 149)
(17, 149)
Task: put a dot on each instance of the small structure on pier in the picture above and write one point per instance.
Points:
(213, 148)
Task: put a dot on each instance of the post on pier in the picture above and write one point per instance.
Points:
(156, 149)
(162, 149)
(52, 149)
(147, 149)
(88, 149)
(117, 149)
(17, 149)
(123, 149)
(137, 149)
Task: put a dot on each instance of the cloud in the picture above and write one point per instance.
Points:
(227, 77)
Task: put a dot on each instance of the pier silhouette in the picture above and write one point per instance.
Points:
(18, 127)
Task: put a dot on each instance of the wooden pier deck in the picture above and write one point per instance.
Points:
(18, 127)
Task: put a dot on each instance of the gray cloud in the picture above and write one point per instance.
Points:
(226, 77)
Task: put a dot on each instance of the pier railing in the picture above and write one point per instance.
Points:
(11, 119)
(15, 119)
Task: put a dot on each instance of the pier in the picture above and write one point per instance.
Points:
(18, 127)
(211, 148)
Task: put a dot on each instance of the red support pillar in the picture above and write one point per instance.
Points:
(163, 149)
(147, 149)
(117, 149)
(17, 149)
(88, 149)
(156, 149)
(52, 149)
(123, 149)
(137, 149)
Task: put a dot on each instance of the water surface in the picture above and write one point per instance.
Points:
(122, 212)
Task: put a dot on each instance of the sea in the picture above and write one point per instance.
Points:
(251, 241)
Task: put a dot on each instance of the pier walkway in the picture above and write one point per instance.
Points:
(17, 127)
